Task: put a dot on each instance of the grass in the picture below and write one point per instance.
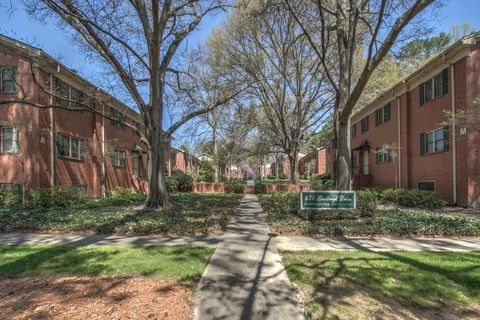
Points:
(285, 217)
(169, 263)
(189, 214)
(365, 285)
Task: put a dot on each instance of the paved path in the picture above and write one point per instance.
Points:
(103, 240)
(377, 244)
(245, 278)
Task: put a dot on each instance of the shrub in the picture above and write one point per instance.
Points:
(206, 173)
(366, 201)
(407, 197)
(55, 196)
(321, 183)
(260, 187)
(238, 186)
(172, 184)
(124, 195)
(282, 176)
(281, 205)
(9, 198)
(184, 182)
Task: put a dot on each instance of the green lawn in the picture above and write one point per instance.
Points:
(169, 263)
(398, 285)
(189, 214)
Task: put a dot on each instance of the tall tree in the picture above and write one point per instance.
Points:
(138, 41)
(337, 29)
(261, 42)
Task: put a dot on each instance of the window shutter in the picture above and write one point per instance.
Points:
(422, 93)
(445, 81)
(422, 143)
(446, 134)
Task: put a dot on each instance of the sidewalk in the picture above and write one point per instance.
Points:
(107, 240)
(245, 278)
(377, 244)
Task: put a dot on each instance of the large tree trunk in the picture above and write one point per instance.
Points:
(293, 159)
(342, 165)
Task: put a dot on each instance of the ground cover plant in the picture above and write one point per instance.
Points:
(101, 282)
(285, 217)
(396, 285)
(189, 214)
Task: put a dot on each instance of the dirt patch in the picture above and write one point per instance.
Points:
(93, 298)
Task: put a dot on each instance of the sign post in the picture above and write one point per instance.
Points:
(328, 200)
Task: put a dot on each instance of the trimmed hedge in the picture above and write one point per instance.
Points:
(407, 197)
(179, 182)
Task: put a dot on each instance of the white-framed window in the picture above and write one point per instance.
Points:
(8, 77)
(383, 114)
(9, 139)
(67, 95)
(427, 185)
(383, 154)
(434, 141)
(434, 87)
(69, 147)
(119, 157)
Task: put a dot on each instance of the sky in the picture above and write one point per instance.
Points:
(48, 36)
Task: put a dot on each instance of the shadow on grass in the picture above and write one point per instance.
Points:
(444, 285)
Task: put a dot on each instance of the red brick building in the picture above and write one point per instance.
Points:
(44, 147)
(315, 163)
(404, 138)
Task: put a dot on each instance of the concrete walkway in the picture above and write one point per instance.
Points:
(106, 240)
(245, 278)
(377, 244)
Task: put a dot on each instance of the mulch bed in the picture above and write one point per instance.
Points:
(58, 297)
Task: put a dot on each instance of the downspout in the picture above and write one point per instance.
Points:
(52, 138)
(399, 147)
(104, 189)
(454, 133)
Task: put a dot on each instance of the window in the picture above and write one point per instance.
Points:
(365, 124)
(434, 87)
(118, 157)
(434, 141)
(10, 187)
(353, 131)
(383, 114)
(353, 161)
(136, 125)
(69, 147)
(426, 185)
(138, 169)
(118, 119)
(383, 154)
(67, 96)
(9, 139)
(8, 79)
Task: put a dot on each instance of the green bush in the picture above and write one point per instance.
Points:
(366, 201)
(55, 196)
(321, 183)
(282, 176)
(238, 186)
(9, 198)
(184, 182)
(119, 195)
(172, 184)
(407, 197)
(281, 205)
(206, 173)
(260, 187)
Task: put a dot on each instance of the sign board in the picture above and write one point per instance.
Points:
(328, 200)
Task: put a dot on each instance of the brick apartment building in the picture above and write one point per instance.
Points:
(44, 147)
(404, 139)
(314, 163)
